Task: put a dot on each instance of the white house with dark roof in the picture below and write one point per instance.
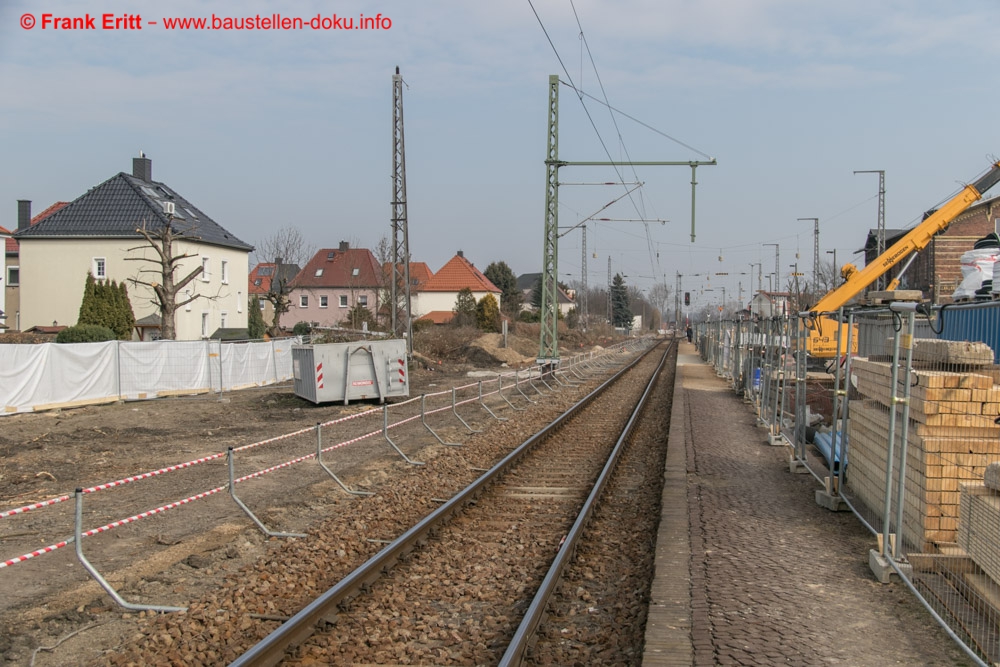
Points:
(97, 232)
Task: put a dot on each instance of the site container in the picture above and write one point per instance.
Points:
(351, 371)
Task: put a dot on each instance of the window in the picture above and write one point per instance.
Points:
(319, 272)
(100, 268)
(225, 272)
(343, 301)
(262, 302)
(13, 276)
(187, 295)
(324, 301)
(204, 270)
(355, 272)
(222, 319)
(239, 302)
(329, 255)
(303, 301)
(265, 270)
(204, 325)
(363, 300)
(257, 281)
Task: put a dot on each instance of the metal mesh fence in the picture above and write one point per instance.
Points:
(904, 433)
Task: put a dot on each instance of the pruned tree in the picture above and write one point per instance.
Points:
(161, 279)
(511, 299)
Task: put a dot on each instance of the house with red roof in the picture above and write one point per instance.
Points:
(10, 295)
(333, 282)
(435, 299)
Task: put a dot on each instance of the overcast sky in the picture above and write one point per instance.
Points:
(264, 129)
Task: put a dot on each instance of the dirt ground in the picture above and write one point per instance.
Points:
(49, 454)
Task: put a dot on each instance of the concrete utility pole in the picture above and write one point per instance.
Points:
(880, 283)
(548, 347)
(815, 222)
(401, 325)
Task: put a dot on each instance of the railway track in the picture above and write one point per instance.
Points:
(470, 582)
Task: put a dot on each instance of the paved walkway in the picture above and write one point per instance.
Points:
(749, 570)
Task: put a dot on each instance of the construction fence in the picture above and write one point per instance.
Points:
(57, 375)
(905, 433)
(294, 460)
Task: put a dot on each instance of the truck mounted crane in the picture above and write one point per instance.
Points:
(823, 329)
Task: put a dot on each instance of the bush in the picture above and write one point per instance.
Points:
(85, 333)
(301, 329)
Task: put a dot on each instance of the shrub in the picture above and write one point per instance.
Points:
(488, 313)
(85, 333)
(301, 329)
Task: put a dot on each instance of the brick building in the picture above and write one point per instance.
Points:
(937, 270)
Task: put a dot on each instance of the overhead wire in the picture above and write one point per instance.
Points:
(577, 90)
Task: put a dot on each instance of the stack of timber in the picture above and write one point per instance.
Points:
(979, 527)
(951, 435)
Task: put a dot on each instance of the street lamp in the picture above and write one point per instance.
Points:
(836, 269)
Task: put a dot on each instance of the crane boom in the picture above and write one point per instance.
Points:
(916, 239)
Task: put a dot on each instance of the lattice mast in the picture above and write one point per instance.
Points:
(400, 289)
(581, 299)
(548, 348)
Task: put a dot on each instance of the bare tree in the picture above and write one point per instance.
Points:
(285, 247)
(383, 255)
(161, 279)
(286, 243)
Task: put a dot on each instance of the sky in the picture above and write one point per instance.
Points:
(263, 129)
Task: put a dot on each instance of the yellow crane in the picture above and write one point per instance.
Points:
(823, 330)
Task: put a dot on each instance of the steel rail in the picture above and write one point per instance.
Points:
(274, 647)
(525, 633)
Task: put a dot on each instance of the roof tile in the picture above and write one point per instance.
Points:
(121, 204)
(458, 274)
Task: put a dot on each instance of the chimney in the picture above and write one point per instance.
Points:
(142, 167)
(23, 214)
(460, 254)
(344, 246)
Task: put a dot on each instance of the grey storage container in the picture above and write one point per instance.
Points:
(351, 371)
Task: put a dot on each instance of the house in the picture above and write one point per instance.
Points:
(5, 235)
(526, 283)
(261, 280)
(11, 277)
(333, 282)
(98, 233)
(440, 292)
(937, 269)
(770, 304)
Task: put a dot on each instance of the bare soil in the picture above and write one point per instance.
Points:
(171, 558)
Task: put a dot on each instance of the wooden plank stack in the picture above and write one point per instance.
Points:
(951, 437)
(979, 527)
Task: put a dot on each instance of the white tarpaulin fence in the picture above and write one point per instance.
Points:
(40, 377)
